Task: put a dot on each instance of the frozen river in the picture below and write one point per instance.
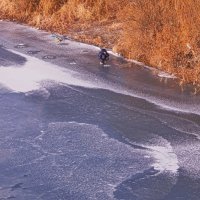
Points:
(72, 130)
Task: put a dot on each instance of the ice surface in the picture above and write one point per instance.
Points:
(33, 74)
(189, 154)
(91, 163)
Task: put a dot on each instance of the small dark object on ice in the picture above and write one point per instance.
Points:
(103, 56)
(58, 38)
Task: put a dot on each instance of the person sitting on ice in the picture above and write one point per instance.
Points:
(103, 56)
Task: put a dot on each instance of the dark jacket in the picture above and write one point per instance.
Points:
(103, 55)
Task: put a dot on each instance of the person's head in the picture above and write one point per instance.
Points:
(104, 50)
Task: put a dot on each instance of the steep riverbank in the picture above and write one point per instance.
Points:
(139, 81)
(163, 34)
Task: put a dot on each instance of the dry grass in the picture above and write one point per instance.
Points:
(161, 33)
(164, 34)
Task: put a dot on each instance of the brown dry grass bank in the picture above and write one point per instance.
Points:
(161, 33)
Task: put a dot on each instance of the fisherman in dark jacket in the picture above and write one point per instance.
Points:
(103, 56)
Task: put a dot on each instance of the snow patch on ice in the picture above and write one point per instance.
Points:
(166, 159)
(30, 76)
(165, 75)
